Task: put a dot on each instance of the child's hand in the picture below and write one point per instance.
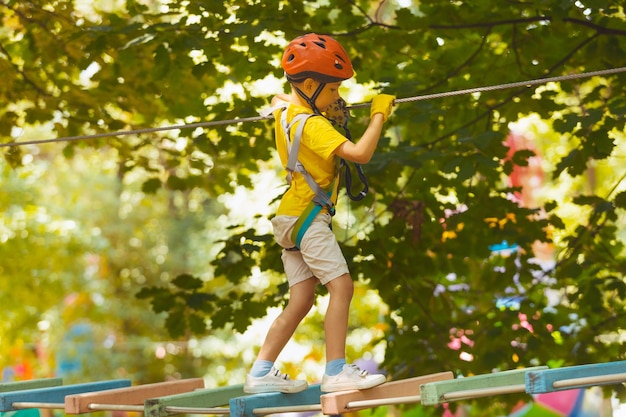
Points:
(382, 103)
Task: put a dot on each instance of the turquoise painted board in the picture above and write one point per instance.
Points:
(56, 394)
(243, 406)
(201, 398)
(30, 384)
(434, 392)
(538, 382)
(29, 412)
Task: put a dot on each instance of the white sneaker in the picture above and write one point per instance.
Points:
(351, 377)
(274, 381)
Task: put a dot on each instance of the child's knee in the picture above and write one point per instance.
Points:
(341, 287)
(301, 304)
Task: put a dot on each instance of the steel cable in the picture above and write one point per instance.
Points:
(214, 123)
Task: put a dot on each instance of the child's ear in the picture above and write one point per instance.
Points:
(310, 85)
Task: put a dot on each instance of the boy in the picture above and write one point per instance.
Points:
(309, 147)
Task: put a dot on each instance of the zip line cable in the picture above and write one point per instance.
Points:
(519, 84)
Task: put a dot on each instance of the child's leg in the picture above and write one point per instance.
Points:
(264, 377)
(336, 321)
(339, 376)
(301, 299)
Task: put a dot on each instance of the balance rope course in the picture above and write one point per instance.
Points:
(215, 123)
(190, 396)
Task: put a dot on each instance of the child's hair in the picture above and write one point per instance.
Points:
(316, 56)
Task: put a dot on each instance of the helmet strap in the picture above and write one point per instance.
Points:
(311, 100)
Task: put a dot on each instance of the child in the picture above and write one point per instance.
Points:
(309, 147)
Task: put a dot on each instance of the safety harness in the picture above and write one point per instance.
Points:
(322, 197)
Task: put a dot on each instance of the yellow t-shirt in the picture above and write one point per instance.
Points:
(318, 144)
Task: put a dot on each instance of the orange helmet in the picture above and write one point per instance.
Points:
(316, 56)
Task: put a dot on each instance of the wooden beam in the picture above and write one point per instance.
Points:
(135, 395)
(198, 399)
(409, 389)
(54, 395)
(276, 402)
(573, 377)
(30, 384)
(497, 383)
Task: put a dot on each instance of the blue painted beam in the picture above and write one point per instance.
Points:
(56, 395)
(244, 406)
(574, 377)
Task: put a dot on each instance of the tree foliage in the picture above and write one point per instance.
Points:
(440, 200)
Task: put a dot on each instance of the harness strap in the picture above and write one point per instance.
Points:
(304, 222)
(321, 198)
(293, 146)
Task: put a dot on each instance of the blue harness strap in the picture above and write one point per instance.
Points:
(304, 221)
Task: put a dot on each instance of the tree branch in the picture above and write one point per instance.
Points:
(600, 29)
(23, 74)
(492, 24)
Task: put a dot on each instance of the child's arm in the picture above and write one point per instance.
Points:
(361, 152)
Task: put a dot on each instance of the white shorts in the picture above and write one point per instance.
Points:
(319, 256)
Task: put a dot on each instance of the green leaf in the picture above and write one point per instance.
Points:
(151, 185)
(177, 183)
(161, 62)
(620, 200)
(197, 324)
(520, 158)
(200, 301)
(568, 124)
(163, 302)
(187, 282)
(589, 200)
(176, 323)
(601, 143)
(575, 163)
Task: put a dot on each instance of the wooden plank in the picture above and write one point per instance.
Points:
(55, 394)
(30, 384)
(339, 402)
(573, 377)
(246, 406)
(135, 395)
(200, 399)
(497, 383)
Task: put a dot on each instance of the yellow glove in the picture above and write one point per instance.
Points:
(382, 103)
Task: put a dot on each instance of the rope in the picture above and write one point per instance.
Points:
(519, 84)
(136, 131)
